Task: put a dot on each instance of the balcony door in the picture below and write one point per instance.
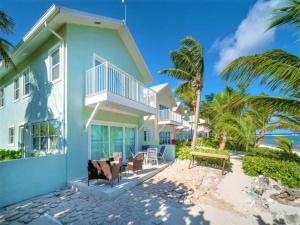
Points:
(105, 140)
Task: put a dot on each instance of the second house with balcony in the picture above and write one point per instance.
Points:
(160, 128)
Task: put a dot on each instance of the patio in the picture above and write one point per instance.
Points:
(101, 188)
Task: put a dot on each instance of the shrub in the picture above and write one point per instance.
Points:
(183, 153)
(10, 154)
(288, 172)
(38, 153)
(274, 154)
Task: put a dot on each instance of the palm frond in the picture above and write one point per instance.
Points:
(6, 23)
(284, 144)
(289, 14)
(177, 73)
(277, 69)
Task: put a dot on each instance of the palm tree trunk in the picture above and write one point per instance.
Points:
(223, 141)
(260, 137)
(196, 118)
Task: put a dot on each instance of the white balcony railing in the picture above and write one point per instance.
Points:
(108, 78)
(185, 123)
(168, 115)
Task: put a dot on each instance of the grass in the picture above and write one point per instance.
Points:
(183, 153)
(279, 165)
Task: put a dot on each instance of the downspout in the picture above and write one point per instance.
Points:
(64, 87)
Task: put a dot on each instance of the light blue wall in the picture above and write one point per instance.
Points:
(45, 101)
(82, 43)
(25, 178)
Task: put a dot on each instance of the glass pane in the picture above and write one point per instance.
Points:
(36, 144)
(116, 140)
(53, 128)
(55, 57)
(44, 143)
(129, 141)
(36, 129)
(99, 142)
(44, 129)
(54, 142)
(55, 72)
(27, 88)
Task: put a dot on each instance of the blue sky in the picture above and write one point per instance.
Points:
(225, 28)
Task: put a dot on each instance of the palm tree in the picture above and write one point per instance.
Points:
(189, 67)
(187, 95)
(285, 144)
(6, 25)
(220, 111)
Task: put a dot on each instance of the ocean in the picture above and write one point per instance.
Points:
(270, 140)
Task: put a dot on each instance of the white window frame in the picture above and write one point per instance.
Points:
(48, 137)
(165, 139)
(9, 136)
(14, 83)
(24, 83)
(148, 133)
(50, 66)
(2, 97)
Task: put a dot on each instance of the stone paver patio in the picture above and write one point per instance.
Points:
(176, 195)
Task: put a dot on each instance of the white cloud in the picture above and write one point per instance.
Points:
(251, 35)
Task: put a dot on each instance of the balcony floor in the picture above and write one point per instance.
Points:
(117, 103)
(169, 122)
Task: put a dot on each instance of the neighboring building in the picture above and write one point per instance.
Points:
(160, 129)
(79, 89)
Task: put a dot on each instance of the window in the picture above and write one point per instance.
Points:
(45, 136)
(1, 97)
(11, 135)
(164, 137)
(16, 89)
(147, 135)
(54, 62)
(26, 82)
(162, 107)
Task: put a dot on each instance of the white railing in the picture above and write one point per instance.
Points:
(185, 123)
(168, 115)
(108, 78)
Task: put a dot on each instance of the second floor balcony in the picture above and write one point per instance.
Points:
(117, 90)
(167, 116)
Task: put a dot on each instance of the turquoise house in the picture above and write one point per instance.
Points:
(78, 93)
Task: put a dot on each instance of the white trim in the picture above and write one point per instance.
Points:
(23, 82)
(115, 124)
(92, 116)
(56, 47)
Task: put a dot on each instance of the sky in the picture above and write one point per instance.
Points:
(226, 29)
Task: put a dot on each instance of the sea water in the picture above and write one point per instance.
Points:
(270, 140)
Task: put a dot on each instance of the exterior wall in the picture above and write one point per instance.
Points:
(82, 43)
(45, 101)
(26, 178)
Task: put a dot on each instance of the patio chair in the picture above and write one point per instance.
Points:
(152, 155)
(136, 163)
(132, 151)
(161, 153)
(103, 169)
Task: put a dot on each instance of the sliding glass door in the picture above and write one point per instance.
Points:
(99, 142)
(129, 141)
(106, 140)
(116, 140)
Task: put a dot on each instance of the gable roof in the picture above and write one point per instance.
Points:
(56, 16)
(165, 87)
(159, 87)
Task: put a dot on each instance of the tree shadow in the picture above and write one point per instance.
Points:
(260, 221)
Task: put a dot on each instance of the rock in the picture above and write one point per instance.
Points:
(25, 219)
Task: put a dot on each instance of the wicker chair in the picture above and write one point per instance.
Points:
(102, 169)
(136, 163)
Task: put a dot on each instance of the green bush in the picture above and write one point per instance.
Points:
(183, 152)
(10, 154)
(38, 153)
(288, 172)
(273, 154)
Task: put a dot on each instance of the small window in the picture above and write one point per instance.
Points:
(163, 107)
(16, 89)
(11, 136)
(26, 82)
(1, 97)
(54, 65)
(164, 137)
(147, 135)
